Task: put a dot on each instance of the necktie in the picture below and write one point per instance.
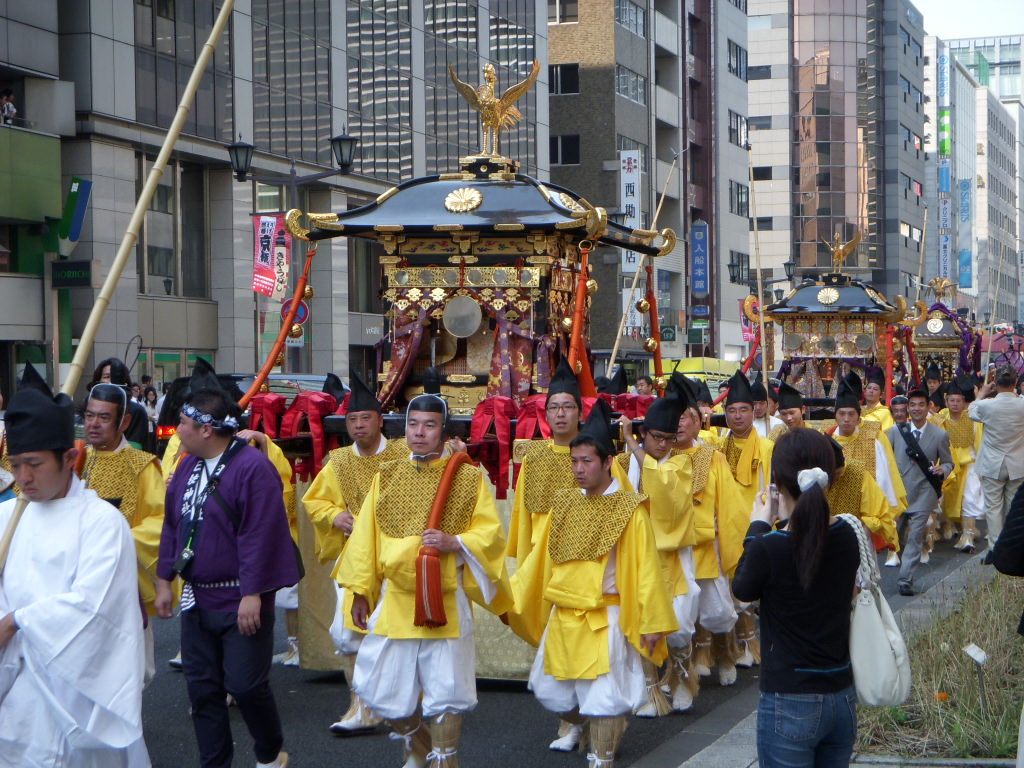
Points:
(917, 434)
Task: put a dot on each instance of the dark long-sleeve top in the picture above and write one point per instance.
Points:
(805, 638)
(258, 558)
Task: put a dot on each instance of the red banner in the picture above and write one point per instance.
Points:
(273, 245)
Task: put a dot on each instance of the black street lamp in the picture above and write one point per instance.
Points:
(790, 266)
(240, 154)
(344, 148)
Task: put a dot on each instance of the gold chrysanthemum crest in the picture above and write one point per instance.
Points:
(463, 200)
(828, 295)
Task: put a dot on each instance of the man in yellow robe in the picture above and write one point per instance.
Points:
(962, 498)
(750, 460)
(129, 479)
(664, 476)
(865, 442)
(332, 502)
(406, 672)
(546, 467)
(591, 597)
(874, 409)
(712, 490)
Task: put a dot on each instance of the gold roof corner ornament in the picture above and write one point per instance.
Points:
(841, 251)
(942, 287)
(496, 113)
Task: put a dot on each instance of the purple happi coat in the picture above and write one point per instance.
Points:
(260, 556)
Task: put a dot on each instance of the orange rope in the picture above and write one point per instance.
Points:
(286, 325)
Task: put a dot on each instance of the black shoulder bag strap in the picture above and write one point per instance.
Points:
(915, 452)
(236, 523)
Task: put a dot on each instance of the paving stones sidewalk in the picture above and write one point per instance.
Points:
(732, 744)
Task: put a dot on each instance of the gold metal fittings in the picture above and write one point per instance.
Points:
(828, 295)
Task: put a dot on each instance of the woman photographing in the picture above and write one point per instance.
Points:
(801, 562)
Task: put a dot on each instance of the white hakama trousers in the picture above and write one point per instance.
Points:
(345, 639)
(973, 502)
(622, 689)
(392, 674)
(717, 609)
(686, 606)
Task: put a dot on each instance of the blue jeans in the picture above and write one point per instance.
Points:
(801, 730)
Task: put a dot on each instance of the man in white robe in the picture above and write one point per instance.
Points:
(71, 647)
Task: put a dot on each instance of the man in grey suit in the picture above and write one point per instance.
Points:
(1000, 463)
(923, 457)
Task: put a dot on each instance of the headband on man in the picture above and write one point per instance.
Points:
(189, 410)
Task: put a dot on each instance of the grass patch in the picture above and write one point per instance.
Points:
(943, 717)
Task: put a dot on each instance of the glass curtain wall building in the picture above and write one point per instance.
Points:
(837, 125)
(406, 111)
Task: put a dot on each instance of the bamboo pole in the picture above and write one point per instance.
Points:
(640, 266)
(920, 262)
(765, 341)
(992, 317)
(131, 235)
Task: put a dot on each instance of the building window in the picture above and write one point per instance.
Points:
(759, 122)
(760, 72)
(739, 197)
(631, 16)
(563, 79)
(743, 261)
(737, 60)
(764, 223)
(741, 4)
(172, 256)
(626, 143)
(762, 173)
(166, 47)
(563, 11)
(630, 84)
(737, 129)
(565, 150)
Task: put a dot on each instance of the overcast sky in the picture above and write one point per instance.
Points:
(951, 19)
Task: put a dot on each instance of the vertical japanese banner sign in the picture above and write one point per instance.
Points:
(945, 255)
(634, 320)
(630, 200)
(942, 81)
(699, 259)
(749, 332)
(271, 256)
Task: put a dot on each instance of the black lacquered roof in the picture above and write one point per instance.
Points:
(509, 204)
(854, 297)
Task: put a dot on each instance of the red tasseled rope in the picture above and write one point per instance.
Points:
(429, 595)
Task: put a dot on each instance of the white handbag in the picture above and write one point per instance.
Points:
(878, 653)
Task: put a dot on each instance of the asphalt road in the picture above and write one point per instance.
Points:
(508, 728)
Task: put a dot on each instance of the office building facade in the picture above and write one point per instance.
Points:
(833, 160)
(654, 77)
(287, 76)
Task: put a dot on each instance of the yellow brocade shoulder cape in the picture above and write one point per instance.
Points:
(387, 537)
(567, 597)
(134, 477)
(546, 469)
(343, 484)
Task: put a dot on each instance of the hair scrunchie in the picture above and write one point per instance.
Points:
(806, 478)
